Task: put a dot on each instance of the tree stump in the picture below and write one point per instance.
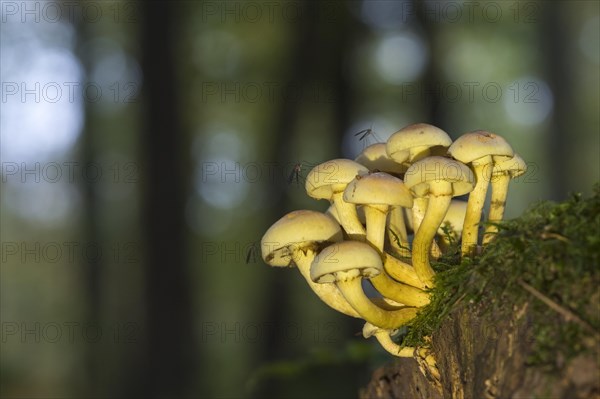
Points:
(482, 357)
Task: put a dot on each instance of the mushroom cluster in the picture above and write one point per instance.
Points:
(385, 223)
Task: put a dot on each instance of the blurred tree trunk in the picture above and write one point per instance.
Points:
(480, 358)
(282, 155)
(556, 46)
(431, 81)
(166, 369)
(341, 38)
(308, 43)
(93, 266)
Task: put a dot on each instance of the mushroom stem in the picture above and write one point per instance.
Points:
(438, 206)
(401, 271)
(497, 204)
(348, 217)
(390, 346)
(399, 292)
(376, 218)
(397, 234)
(418, 212)
(483, 173)
(354, 294)
(419, 208)
(327, 292)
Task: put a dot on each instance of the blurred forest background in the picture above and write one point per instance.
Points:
(146, 147)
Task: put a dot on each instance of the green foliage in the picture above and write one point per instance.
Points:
(547, 258)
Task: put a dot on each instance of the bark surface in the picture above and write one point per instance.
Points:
(479, 357)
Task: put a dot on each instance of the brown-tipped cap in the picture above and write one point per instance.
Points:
(478, 144)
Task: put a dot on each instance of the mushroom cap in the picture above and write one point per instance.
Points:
(297, 230)
(345, 260)
(479, 144)
(414, 136)
(439, 176)
(375, 157)
(332, 176)
(514, 166)
(455, 216)
(378, 189)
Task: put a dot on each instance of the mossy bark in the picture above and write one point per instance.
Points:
(521, 320)
(487, 357)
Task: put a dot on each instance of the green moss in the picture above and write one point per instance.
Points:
(549, 258)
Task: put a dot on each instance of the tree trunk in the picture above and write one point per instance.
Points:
(486, 357)
(167, 369)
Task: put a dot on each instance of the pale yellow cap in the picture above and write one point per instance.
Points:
(378, 189)
(294, 231)
(331, 177)
(375, 157)
(478, 144)
(401, 146)
(514, 166)
(346, 261)
(439, 176)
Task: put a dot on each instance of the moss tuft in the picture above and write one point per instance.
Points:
(548, 258)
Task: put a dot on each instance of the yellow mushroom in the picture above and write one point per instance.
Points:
(480, 149)
(418, 140)
(439, 179)
(294, 240)
(376, 192)
(328, 181)
(502, 173)
(375, 158)
(383, 337)
(410, 144)
(345, 264)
